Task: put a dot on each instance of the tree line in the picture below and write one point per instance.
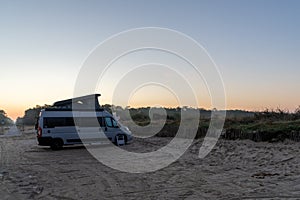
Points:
(30, 116)
(143, 114)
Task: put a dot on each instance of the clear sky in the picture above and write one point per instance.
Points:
(255, 44)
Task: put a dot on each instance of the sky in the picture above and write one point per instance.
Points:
(255, 45)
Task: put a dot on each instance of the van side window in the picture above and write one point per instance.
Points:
(89, 122)
(110, 122)
(69, 121)
(52, 122)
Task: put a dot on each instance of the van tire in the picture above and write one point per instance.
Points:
(57, 144)
(125, 138)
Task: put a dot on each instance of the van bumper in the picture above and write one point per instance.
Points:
(45, 141)
(129, 138)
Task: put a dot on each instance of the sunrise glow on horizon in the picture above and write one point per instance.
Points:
(14, 112)
(254, 44)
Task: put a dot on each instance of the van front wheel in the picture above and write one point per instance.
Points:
(125, 139)
(56, 144)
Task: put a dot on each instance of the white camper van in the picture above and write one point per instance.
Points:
(86, 122)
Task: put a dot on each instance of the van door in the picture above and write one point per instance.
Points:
(111, 128)
(90, 130)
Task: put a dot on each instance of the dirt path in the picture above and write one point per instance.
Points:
(233, 170)
(13, 131)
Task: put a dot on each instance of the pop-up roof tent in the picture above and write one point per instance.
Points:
(83, 102)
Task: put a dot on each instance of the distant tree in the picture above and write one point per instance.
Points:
(107, 107)
(32, 114)
(5, 119)
(19, 121)
(2, 112)
(297, 113)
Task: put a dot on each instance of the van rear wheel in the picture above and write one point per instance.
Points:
(56, 144)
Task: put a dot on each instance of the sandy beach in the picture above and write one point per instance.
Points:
(240, 169)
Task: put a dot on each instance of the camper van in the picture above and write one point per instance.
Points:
(78, 121)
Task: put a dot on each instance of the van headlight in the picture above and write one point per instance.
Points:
(128, 131)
